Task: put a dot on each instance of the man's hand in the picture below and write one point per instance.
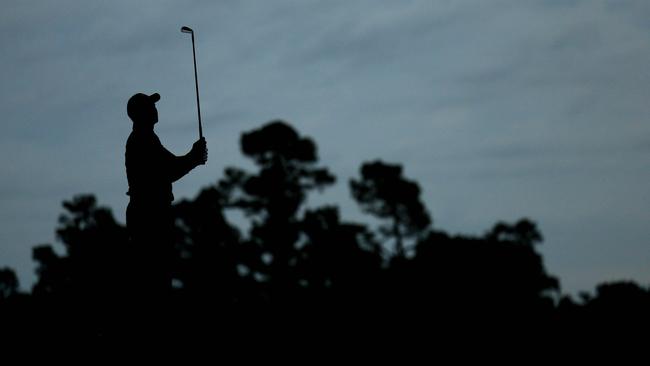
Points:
(200, 151)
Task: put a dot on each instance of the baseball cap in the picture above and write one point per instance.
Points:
(138, 101)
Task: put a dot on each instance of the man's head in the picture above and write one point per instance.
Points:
(141, 108)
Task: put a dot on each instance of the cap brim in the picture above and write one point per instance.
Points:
(154, 97)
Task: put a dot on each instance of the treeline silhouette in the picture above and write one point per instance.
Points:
(298, 265)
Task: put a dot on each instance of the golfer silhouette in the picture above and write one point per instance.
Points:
(150, 170)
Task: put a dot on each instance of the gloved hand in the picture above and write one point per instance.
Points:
(200, 151)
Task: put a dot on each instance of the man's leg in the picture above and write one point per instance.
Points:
(152, 244)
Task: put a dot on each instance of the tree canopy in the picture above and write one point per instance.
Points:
(288, 259)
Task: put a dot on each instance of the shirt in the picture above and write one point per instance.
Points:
(151, 168)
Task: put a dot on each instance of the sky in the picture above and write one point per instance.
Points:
(499, 109)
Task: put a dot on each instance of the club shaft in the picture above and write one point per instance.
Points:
(196, 82)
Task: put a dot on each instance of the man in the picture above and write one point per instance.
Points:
(151, 169)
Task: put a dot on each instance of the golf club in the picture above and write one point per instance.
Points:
(189, 30)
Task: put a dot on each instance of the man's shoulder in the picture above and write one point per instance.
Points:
(142, 139)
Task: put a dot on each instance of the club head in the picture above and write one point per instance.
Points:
(187, 30)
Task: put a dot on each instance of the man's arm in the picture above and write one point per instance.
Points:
(181, 165)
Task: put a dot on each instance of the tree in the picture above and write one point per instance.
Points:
(95, 244)
(383, 191)
(272, 198)
(497, 272)
(78, 293)
(206, 251)
(620, 300)
(8, 284)
(342, 262)
(524, 232)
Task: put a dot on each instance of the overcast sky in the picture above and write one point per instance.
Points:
(500, 109)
